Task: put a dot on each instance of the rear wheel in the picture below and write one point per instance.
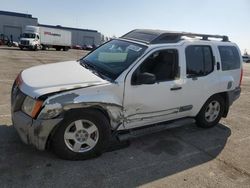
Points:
(43, 47)
(211, 112)
(82, 135)
(65, 48)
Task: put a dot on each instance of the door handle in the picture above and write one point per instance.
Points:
(175, 88)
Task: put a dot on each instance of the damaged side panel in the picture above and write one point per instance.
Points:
(105, 98)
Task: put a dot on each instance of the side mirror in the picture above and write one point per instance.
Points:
(146, 78)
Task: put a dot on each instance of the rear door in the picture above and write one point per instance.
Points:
(202, 78)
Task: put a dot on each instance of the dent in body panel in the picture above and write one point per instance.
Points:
(102, 100)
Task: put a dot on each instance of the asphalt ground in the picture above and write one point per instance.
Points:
(187, 156)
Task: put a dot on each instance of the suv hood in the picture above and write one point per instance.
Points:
(44, 79)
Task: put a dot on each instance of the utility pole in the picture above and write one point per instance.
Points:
(245, 52)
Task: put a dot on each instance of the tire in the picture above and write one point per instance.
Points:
(65, 48)
(211, 112)
(35, 48)
(43, 47)
(66, 142)
(58, 49)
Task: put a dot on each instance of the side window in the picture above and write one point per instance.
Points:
(163, 64)
(230, 58)
(199, 60)
(37, 36)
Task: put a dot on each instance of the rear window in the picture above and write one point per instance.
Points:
(230, 57)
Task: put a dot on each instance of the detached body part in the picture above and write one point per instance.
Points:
(142, 79)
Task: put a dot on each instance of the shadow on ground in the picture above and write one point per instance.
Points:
(147, 159)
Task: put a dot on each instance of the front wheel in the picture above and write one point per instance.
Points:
(211, 112)
(82, 135)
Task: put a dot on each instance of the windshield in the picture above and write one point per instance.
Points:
(29, 35)
(112, 58)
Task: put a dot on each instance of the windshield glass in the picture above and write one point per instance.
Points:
(112, 58)
(29, 35)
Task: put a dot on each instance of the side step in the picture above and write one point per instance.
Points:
(133, 133)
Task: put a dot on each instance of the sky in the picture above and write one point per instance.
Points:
(116, 17)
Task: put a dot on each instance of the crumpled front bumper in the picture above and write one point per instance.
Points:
(35, 132)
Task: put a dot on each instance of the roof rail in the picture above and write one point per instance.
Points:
(160, 36)
(205, 36)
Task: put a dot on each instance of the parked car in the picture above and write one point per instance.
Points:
(87, 47)
(145, 81)
(77, 47)
(246, 58)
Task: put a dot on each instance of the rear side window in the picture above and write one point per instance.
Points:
(199, 60)
(230, 58)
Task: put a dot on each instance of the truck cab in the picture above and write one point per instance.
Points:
(30, 38)
(146, 80)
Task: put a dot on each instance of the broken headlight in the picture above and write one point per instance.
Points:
(50, 111)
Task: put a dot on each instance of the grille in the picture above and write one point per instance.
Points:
(24, 42)
(17, 98)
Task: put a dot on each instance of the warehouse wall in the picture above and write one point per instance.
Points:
(80, 36)
(85, 37)
(14, 25)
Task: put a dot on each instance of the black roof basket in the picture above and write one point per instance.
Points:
(160, 36)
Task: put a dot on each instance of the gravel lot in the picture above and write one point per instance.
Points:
(182, 157)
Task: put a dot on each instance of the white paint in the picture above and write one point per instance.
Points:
(44, 79)
(135, 105)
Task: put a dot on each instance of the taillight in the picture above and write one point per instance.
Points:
(241, 76)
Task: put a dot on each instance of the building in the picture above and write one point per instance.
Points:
(12, 23)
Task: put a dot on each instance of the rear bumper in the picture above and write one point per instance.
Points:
(35, 132)
(233, 95)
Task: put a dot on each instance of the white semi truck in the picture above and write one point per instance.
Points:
(35, 38)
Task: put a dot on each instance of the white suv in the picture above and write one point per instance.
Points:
(145, 81)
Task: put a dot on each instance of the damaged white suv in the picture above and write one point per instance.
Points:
(126, 87)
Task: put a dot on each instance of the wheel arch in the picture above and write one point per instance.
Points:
(225, 97)
(69, 112)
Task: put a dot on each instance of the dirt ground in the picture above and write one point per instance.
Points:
(187, 156)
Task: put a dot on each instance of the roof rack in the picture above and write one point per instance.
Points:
(160, 36)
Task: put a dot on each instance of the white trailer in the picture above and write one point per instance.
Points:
(44, 37)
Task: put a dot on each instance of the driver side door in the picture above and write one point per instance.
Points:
(161, 100)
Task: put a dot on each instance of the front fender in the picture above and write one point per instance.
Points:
(107, 100)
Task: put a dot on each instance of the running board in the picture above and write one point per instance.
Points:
(133, 133)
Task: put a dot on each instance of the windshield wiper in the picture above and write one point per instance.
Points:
(88, 65)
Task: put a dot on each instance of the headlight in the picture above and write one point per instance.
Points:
(31, 106)
(50, 111)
